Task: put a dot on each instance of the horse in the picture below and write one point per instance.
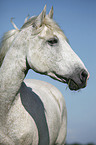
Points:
(34, 112)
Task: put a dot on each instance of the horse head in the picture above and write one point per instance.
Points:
(48, 51)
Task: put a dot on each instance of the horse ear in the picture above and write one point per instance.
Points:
(51, 13)
(40, 18)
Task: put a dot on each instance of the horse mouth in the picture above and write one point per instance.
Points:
(71, 83)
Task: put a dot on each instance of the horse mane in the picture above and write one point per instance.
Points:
(29, 22)
(6, 42)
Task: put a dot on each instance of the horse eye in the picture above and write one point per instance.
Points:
(52, 41)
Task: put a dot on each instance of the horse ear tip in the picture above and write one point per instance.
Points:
(52, 9)
(51, 13)
(45, 7)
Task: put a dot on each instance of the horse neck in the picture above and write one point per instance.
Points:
(12, 73)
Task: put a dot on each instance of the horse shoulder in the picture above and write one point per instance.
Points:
(41, 86)
(21, 126)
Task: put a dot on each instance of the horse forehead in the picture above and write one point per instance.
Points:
(46, 31)
(55, 30)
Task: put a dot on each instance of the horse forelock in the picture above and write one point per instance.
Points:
(50, 23)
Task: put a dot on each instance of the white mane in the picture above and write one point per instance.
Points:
(6, 43)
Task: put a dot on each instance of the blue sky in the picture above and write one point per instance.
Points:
(77, 18)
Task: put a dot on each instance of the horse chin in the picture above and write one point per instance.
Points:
(72, 85)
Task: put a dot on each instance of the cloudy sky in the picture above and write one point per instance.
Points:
(77, 18)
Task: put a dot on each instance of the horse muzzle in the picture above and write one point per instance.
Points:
(75, 81)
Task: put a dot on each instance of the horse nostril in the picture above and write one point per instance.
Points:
(83, 76)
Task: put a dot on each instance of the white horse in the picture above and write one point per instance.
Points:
(36, 114)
